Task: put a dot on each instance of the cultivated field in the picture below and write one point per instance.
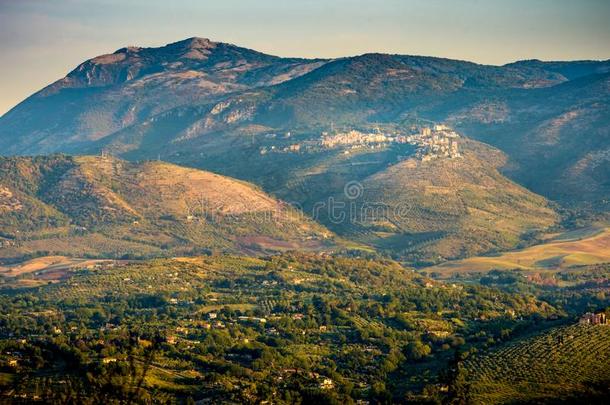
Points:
(563, 362)
(571, 249)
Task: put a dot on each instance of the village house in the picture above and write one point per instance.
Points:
(251, 319)
(327, 384)
(591, 318)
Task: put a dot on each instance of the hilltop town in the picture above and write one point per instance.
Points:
(437, 142)
(431, 142)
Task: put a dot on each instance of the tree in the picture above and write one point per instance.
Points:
(417, 350)
(456, 378)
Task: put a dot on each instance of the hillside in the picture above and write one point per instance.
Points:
(380, 87)
(307, 169)
(195, 101)
(102, 206)
(559, 149)
(455, 208)
(567, 362)
(445, 208)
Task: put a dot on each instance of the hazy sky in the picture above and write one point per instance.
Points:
(41, 40)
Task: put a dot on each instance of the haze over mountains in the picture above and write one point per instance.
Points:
(261, 118)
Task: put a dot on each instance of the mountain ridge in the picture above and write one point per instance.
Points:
(199, 98)
(96, 99)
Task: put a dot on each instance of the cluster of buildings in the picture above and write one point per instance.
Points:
(352, 138)
(438, 141)
(591, 318)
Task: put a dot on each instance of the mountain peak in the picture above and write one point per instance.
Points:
(129, 50)
(195, 48)
(194, 43)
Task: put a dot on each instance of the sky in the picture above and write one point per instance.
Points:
(42, 40)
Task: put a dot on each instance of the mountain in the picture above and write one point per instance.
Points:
(379, 87)
(558, 138)
(106, 207)
(550, 118)
(110, 92)
(362, 89)
(264, 119)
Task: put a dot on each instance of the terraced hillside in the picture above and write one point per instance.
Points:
(101, 206)
(567, 362)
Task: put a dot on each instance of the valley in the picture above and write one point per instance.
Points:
(317, 327)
